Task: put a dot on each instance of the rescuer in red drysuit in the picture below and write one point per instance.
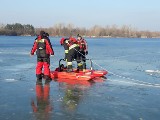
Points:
(83, 51)
(43, 50)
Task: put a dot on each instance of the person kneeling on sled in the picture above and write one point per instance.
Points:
(73, 53)
(43, 50)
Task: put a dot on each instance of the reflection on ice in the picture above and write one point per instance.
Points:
(74, 92)
(42, 106)
(71, 99)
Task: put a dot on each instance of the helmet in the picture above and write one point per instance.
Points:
(42, 33)
(47, 35)
(79, 37)
(72, 39)
(62, 41)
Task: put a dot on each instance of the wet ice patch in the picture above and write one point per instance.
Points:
(153, 73)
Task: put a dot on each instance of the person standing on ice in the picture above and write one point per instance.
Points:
(43, 50)
(83, 51)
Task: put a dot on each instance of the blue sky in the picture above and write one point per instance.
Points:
(140, 14)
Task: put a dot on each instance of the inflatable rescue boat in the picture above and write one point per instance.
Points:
(85, 75)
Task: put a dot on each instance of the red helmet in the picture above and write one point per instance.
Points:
(62, 41)
(72, 39)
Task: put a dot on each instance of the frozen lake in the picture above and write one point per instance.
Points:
(128, 93)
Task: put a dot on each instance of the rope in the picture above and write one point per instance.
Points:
(141, 84)
(128, 78)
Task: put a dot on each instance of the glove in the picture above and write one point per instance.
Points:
(31, 54)
(86, 52)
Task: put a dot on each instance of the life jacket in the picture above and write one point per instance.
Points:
(72, 43)
(41, 48)
(82, 44)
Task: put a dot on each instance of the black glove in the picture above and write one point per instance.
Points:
(86, 52)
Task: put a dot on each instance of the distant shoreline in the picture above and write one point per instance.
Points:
(83, 36)
(96, 31)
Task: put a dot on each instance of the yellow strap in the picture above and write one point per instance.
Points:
(69, 63)
(41, 41)
(80, 64)
(66, 51)
(73, 46)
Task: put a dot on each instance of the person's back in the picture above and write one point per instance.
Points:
(73, 53)
(43, 50)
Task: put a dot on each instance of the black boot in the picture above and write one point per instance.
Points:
(80, 66)
(69, 68)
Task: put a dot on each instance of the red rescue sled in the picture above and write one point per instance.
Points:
(86, 75)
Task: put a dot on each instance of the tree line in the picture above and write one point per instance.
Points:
(69, 29)
(17, 29)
